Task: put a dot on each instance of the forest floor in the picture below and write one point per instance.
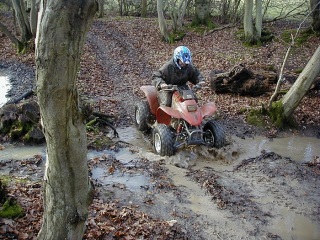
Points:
(214, 195)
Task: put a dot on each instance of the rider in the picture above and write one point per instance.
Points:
(177, 71)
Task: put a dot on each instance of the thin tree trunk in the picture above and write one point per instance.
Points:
(34, 17)
(315, 8)
(293, 97)
(182, 12)
(60, 38)
(162, 21)
(258, 25)
(144, 8)
(21, 15)
(247, 21)
(100, 8)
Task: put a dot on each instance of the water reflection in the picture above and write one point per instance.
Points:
(4, 88)
(302, 149)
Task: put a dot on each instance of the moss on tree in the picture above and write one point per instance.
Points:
(256, 117)
(276, 113)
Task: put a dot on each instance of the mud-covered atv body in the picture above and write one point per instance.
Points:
(179, 125)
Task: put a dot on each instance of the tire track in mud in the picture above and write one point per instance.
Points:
(121, 64)
(264, 193)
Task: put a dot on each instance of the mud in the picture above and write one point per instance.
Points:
(209, 193)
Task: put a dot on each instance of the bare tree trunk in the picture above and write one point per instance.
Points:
(100, 8)
(34, 16)
(178, 13)
(162, 21)
(258, 25)
(23, 22)
(202, 12)
(291, 100)
(60, 38)
(144, 7)
(182, 12)
(247, 22)
(315, 7)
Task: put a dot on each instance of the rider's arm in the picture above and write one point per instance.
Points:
(160, 77)
(197, 78)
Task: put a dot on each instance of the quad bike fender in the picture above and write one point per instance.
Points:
(151, 95)
(164, 114)
(208, 109)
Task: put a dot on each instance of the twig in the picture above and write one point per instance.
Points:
(110, 125)
(25, 95)
(101, 115)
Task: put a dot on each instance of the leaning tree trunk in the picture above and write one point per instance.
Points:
(60, 38)
(293, 97)
(282, 110)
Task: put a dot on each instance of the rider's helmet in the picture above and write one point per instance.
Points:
(183, 54)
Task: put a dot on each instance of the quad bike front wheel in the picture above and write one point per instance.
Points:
(163, 142)
(141, 115)
(214, 135)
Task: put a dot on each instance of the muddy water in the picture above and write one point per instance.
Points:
(286, 223)
(301, 149)
(4, 88)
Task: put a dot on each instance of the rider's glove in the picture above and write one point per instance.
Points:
(163, 85)
(199, 85)
(196, 87)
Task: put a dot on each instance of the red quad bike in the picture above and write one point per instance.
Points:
(179, 125)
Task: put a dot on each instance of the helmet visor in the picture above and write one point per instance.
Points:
(186, 59)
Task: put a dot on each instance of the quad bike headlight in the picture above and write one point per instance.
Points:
(192, 108)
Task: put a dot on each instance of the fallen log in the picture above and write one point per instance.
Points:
(219, 29)
(240, 80)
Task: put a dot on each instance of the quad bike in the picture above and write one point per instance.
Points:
(179, 125)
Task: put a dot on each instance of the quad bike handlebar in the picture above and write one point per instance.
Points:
(172, 88)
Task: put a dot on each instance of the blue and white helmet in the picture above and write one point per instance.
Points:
(183, 54)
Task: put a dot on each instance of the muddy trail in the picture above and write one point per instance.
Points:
(249, 189)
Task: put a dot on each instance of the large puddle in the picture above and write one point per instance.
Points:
(4, 88)
(286, 225)
(298, 148)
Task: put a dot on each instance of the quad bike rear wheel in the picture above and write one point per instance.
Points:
(141, 115)
(214, 135)
(163, 142)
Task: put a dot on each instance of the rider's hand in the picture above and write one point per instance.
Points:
(199, 85)
(163, 85)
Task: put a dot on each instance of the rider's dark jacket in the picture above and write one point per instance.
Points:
(169, 73)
